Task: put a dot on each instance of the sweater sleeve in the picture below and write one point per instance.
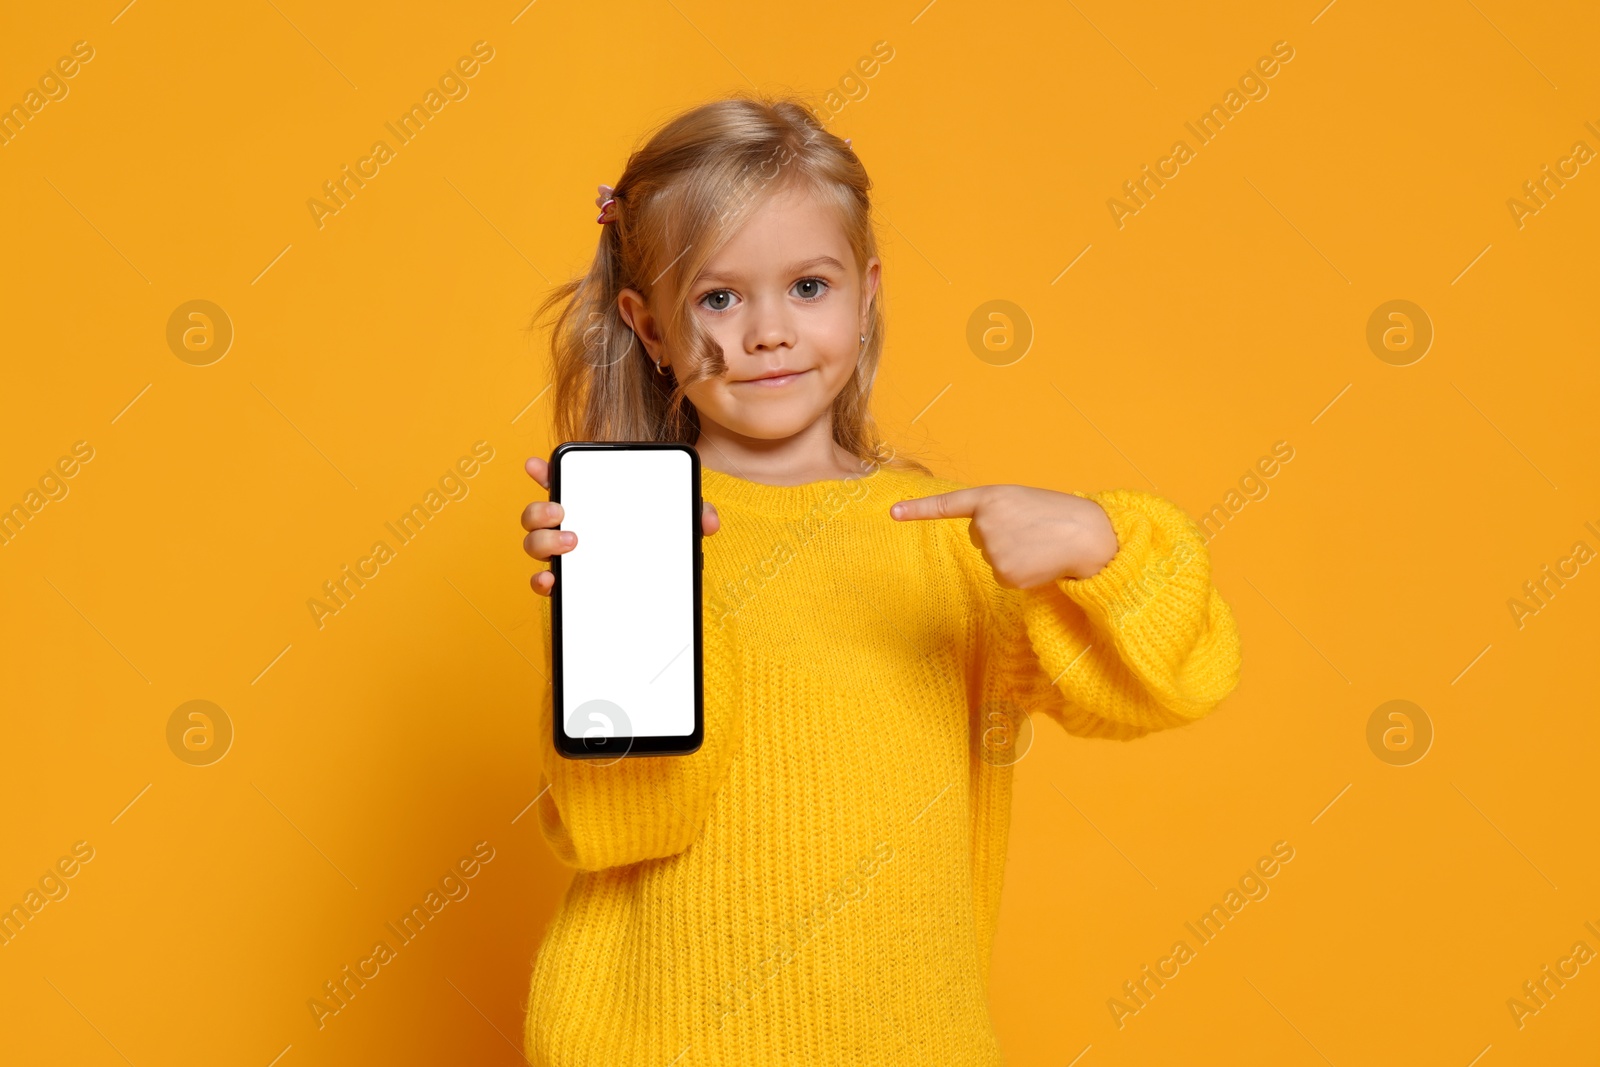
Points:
(1145, 644)
(606, 813)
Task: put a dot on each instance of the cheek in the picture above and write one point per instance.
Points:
(711, 399)
(724, 333)
(837, 342)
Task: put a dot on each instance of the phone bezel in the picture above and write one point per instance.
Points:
(657, 745)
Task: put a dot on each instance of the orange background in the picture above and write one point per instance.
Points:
(1228, 314)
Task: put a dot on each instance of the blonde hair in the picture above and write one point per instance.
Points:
(680, 198)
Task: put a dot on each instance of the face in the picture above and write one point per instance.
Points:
(783, 295)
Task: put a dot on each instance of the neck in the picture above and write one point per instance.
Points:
(809, 456)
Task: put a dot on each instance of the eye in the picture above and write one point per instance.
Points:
(810, 288)
(718, 300)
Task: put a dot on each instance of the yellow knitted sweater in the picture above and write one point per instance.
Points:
(819, 883)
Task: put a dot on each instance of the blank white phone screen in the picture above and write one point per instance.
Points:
(627, 593)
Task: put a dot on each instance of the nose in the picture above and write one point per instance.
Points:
(770, 327)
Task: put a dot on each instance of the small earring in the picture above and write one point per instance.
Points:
(659, 369)
(863, 340)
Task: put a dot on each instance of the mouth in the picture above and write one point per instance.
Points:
(774, 381)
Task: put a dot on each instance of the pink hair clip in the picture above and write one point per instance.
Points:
(607, 203)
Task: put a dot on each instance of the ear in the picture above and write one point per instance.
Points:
(635, 311)
(869, 289)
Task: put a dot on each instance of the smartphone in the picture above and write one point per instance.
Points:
(625, 625)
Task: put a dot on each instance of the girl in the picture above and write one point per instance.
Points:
(819, 882)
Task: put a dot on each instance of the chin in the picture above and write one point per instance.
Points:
(769, 429)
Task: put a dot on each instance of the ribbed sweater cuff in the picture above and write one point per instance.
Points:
(1153, 597)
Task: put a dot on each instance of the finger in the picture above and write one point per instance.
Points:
(542, 513)
(539, 470)
(958, 503)
(710, 522)
(542, 544)
(543, 582)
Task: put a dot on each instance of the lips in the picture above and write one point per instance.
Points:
(776, 378)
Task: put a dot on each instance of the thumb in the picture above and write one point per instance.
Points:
(958, 503)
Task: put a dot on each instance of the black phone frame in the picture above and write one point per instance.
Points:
(659, 744)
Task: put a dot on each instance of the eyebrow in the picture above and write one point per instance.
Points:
(815, 261)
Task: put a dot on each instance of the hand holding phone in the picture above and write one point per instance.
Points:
(542, 519)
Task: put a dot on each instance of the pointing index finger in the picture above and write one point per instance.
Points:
(956, 504)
